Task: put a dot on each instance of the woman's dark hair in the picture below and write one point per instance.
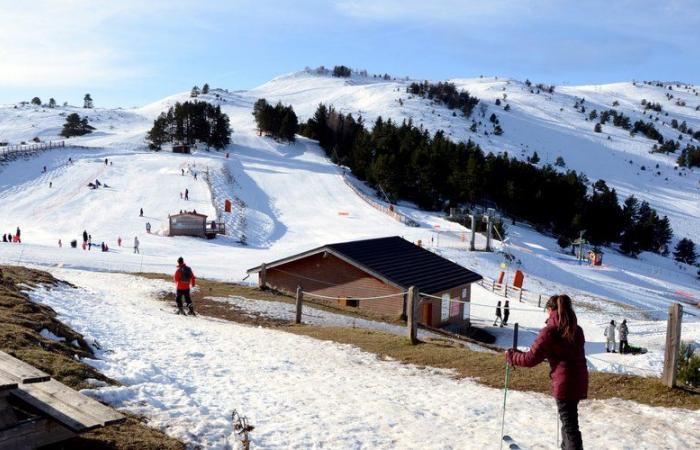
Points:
(566, 315)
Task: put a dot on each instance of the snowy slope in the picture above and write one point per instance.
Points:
(546, 123)
(289, 198)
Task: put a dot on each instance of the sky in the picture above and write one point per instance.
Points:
(129, 53)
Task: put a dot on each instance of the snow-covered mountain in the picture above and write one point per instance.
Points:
(289, 198)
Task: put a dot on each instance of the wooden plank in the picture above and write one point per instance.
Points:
(20, 369)
(71, 408)
(673, 339)
(33, 433)
(7, 381)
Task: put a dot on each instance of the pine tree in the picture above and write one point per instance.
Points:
(52, 103)
(75, 126)
(535, 158)
(194, 93)
(598, 128)
(87, 101)
(205, 88)
(36, 101)
(559, 162)
(685, 251)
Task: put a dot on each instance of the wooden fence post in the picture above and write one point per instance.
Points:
(539, 301)
(673, 341)
(520, 296)
(262, 277)
(411, 309)
(300, 304)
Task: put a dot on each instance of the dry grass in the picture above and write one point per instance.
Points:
(21, 321)
(487, 368)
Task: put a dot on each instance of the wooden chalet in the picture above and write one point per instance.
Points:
(354, 270)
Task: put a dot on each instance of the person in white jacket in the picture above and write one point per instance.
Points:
(610, 337)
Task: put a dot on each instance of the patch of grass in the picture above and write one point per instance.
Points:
(488, 368)
(21, 322)
(208, 289)
(485, 367)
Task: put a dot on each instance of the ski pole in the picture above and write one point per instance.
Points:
(505, 388)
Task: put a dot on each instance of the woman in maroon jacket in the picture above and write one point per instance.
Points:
(561, 342)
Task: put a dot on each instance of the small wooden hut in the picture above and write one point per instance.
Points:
(188, 224)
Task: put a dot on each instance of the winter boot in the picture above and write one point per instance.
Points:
(190, 308)
(180, 310)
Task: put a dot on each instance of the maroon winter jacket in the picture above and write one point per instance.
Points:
(569, 371)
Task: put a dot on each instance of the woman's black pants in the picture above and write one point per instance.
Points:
(570, 433)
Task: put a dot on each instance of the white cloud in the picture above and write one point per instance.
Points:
(68, 42)
(436, 10)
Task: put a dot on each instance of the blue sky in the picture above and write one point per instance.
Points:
(127, 52)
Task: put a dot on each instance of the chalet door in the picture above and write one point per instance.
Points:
(427, 314)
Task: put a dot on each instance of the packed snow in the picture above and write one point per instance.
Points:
(298, 392)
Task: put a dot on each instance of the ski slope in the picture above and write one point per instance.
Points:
(301, 393)
(188, 376)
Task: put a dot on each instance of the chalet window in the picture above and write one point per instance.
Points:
(352, 303)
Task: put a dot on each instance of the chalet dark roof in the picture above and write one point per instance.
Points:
(398, 261)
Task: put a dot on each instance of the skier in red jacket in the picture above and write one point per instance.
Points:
(561, 342)
(184, 278)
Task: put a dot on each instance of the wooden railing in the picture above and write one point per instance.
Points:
(390, 211)
(6, 150)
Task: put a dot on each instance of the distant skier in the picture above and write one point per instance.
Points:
(506, 313)
(184, 278)
(141, 212)
(4, 237)
(50, 184)
(106, 161)
(148, 227)
(183, 172)
(85, 236)
(498, 314)
(610, 337)
(60, 244)
(561, 342)
(195, 176)
(119, 241)
(136, 245)
(19, 233)
(622, 329)
(187, 194)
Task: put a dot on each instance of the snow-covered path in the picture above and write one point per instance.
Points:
(187, 375)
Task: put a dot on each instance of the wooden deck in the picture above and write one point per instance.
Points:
(62, 411)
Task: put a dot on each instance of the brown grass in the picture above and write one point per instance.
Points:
(20, 324)
(487, 368)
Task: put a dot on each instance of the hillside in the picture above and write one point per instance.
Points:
(289, 198)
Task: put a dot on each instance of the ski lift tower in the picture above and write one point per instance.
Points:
(578, 244)
(490, 218)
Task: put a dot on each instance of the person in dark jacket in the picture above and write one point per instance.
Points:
(184, 278)
(561, 342)
(506, 313)
(85, 236)
(498, 314)
(622, 332)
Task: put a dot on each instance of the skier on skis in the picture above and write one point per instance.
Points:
(136, 245)
(561, 342)
(184, 278)
(610, 337)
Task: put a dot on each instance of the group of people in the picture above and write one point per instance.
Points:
(10, 237)
(610, 337)
(502, 317)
